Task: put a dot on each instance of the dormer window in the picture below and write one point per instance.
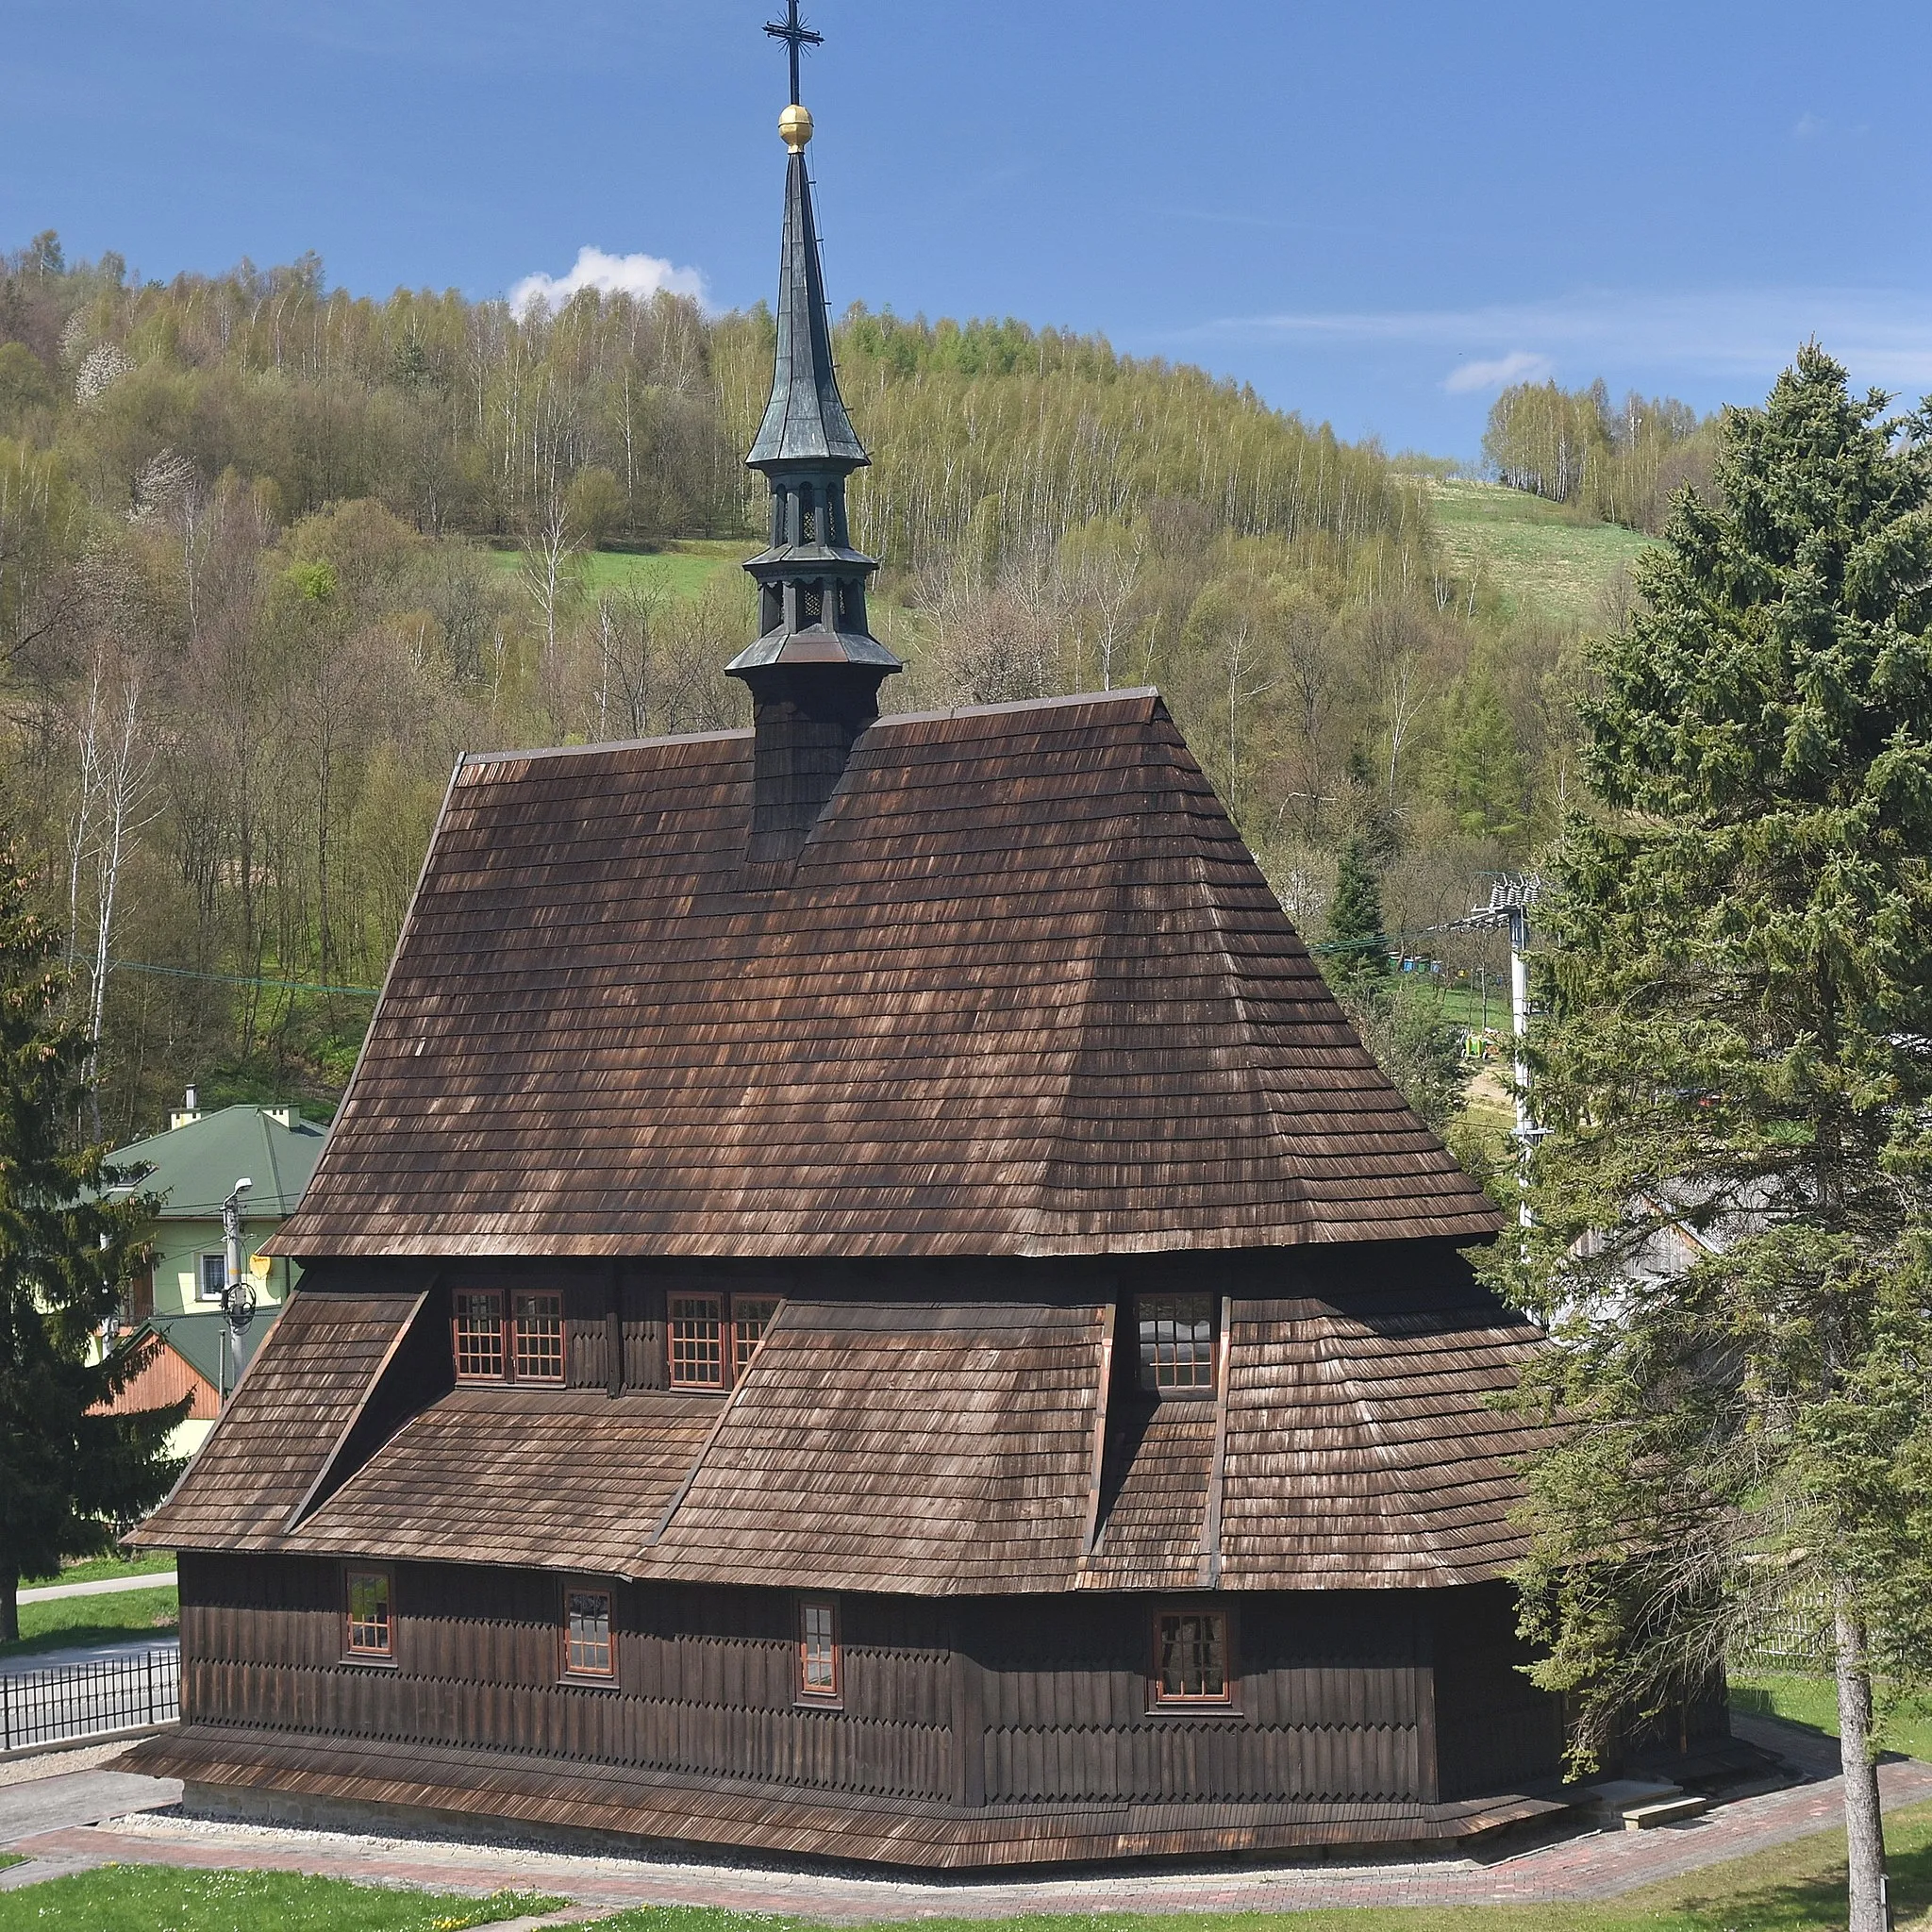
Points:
(518, 1338)
(1176, 1344)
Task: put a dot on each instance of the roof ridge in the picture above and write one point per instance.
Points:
(1138, 694)
(467, 760)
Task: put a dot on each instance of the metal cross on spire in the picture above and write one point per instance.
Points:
(796, 35)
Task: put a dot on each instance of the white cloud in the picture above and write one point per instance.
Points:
(1519, 365)
(642, 276)
(1884, 336)
(1809, 124)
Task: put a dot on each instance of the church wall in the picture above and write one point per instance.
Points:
(1029, 1702)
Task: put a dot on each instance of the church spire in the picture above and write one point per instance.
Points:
(815, 671)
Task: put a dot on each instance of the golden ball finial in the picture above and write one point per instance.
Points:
(794, 127)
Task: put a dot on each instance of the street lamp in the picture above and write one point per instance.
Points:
(238, 1296)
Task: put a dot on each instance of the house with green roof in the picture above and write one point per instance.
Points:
(192, 1168)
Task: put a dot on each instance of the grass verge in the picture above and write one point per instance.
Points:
(105, 1570)
(75, 1620)
(1813, 1703)
(145, 1898)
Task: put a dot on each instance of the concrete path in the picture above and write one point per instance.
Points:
(106, 1586)
(69, 1823)
(135, 1643)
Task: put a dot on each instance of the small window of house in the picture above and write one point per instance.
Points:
(587, 1633)
(750, 1316)
(371, 1631)
(479, 1338)
(538, 1335)
(1176, 1344)
(819, 1663)
(214, 1277)
(1190, 1657)
(697, 1341)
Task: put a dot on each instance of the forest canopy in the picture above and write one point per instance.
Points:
(273, 556)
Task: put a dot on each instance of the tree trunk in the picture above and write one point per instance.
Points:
(10, 1607)
(1864, 1827)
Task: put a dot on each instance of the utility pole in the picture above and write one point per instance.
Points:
(1510, 899)
(237, 1295)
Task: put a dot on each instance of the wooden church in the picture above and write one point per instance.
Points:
(864, 1301)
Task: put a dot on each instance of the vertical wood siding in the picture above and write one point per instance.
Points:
(1002, 1701)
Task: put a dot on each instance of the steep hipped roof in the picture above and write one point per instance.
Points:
(1024, 992)
(195, 1165)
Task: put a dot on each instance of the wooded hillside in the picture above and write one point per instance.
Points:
(250, 610)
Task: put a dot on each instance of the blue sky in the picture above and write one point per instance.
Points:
(1374, 213)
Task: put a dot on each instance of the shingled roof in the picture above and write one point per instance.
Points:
(1025, 992)
(945, 1448)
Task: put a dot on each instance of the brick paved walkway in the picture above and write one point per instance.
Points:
(1592, 1866)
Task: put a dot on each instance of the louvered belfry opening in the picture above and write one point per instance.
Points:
(815, 671)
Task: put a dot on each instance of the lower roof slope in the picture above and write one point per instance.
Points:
(916, 1448)
(1025, 992)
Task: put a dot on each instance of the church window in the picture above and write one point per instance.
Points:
(371, 1632)
(807, 516)
(1176, 1344)
(479, 1338)
(537, 1333)
(697, 1341)
(811, 604)
(1190, 1657)
(587, 1651)
(819, 1663)
(751, 1315)
(521, 1343)
(712, 1337)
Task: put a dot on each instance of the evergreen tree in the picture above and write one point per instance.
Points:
(1738, 980)
(1356, 949)
(67, 1471)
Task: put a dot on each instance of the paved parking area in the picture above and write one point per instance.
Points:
(78, 1820)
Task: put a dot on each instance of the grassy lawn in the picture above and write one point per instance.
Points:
(147, 1898)
(103, 1568)
(1813, 1702)
(71, 1620)
(679, 570)
(1542, 561)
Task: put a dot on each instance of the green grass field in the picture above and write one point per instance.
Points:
(75, 1620)
(103, 1568)
(1543, 561)
(1813, 1702)
(680, 569)
(148, 1898)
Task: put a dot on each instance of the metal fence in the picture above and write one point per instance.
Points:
(82, 1699)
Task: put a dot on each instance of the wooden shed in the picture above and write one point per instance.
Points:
(864, 1300)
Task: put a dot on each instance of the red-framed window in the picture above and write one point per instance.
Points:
(821, 1657)
(518, 1338)
(369, 1630)
(590, 1649)
(711, 1338)
(1176, 1337)
(1192, 1663)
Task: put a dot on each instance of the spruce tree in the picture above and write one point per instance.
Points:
(68, 1471)
(1733, 1203)
(1354, 951)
